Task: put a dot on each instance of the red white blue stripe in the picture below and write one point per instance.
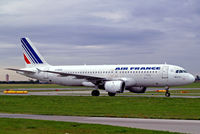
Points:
(32, 55)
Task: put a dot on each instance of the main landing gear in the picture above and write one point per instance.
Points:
(167, 94)
(111, 94)
(95, 93)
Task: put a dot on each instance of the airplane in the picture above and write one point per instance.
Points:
(111, 78)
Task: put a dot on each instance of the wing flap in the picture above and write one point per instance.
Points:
(90, 78)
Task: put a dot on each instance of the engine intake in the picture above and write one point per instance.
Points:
(114, 86)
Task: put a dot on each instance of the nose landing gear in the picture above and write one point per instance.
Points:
(167, 94)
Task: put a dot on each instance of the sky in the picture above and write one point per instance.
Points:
(78, 32)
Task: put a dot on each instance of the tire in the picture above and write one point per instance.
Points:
(111, 94)
(95, 93)
(167, 94)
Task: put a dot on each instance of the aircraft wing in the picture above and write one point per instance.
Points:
(20, 70)
(89, 78)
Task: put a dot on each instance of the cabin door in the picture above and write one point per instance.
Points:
(165, 72)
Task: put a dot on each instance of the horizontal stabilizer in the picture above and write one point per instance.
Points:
(20, 70)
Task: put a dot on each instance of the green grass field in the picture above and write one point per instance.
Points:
(26, 126)
(135, 107)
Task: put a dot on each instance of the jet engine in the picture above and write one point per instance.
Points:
(137, 89)
(113, 86)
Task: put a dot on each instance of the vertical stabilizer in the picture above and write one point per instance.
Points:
(31, 55)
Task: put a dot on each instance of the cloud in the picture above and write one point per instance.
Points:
(111, 16)
(103, 32)
(6, 46)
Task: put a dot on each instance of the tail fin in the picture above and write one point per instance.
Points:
(31, 56)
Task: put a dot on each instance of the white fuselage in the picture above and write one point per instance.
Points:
(111, 78)
(142, 75)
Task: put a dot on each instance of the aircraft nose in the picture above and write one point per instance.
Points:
(191, 78)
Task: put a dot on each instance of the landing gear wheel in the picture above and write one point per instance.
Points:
(167, 94)
(95, 93)
(111, 94)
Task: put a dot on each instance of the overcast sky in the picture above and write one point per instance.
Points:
(76, 32)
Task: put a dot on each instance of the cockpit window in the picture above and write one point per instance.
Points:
(181, 71)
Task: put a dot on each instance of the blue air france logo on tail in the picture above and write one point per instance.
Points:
(31, 55)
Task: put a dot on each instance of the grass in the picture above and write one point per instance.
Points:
(173, 92)
(189, 92)
(26, 126)
(134, 107)
(193, 85)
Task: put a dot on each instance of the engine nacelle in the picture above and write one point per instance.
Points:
(137, 89)
(114, 86)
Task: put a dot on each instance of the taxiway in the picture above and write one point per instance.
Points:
(183, 126)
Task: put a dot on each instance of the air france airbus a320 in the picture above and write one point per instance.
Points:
(111, 78)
